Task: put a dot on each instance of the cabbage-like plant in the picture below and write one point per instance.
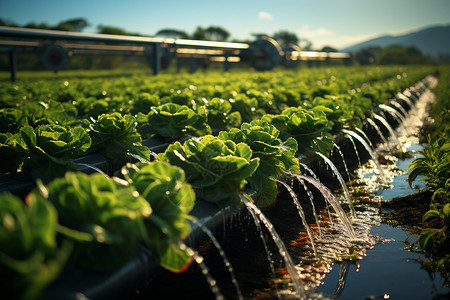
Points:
(44, 152)
(274, 156)
(29, 256)
(104, 219)
(309, 127)
(217, 169)
(173, 121)
(116, 137)
(171, 198)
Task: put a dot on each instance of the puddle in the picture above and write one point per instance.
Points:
(387, 272)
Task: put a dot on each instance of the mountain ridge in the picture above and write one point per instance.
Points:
(431, 41)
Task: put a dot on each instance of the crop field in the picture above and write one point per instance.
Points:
(96, 166)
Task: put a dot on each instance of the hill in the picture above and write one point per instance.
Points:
(432, 41)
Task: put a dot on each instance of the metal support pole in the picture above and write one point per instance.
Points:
(226, 63)
(156, 59)
(12, 64)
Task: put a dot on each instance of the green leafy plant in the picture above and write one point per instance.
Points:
(144, 103)
(247, 107)
(339, 111)
(104, 220)
(171, 199)
(215, 168)
(220, 116)
(436, 241)
(309, 127)
(44, 152)
(116, 137)
(173, 121)
(434, 165)
(274, 156)
(11, 119)
(29, 257)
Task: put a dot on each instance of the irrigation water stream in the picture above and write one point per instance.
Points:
(319, 249)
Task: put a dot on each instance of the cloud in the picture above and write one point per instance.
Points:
(309, 33)
(263, 15)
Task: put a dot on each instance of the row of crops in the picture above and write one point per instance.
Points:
(225, 133)
(434, 168)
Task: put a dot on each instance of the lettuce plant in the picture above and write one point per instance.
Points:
(29, 257)
(104, 220)
(274, 156)
(116, 137)
(11, 119)
(44, 152)
(173, 121)
(215, 168)
(309, 127)
(220, 116)
(171, 199)
(339, 111)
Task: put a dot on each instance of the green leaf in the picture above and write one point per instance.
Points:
(175, 259)
(431, 214)
(428, 238)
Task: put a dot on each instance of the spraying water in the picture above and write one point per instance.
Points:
(328, 195)
(393, 112)
(205, 271)
(406, 99)
(343, 273)
(258, 216)
(301, 213)
(223, 255)
(341, 181)
(400, 108)
(311, 199)
(139, 158)
(369, 150)
(356, 150)
(343, 162)
(389, 128)
(364, 135)
(93, 168)
(309, 170)
(377, 129)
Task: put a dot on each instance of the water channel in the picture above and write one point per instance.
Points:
(378, 265)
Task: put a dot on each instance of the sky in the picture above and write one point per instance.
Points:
(336, 23)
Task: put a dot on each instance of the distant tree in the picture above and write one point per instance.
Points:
(328, 49)
(35, 25)
(63, 27)
(4, 22)
(397, 54)
(78, 24)
(173, 33)
(113, 30)
(285, 38)
(216, 33)
(199, 34)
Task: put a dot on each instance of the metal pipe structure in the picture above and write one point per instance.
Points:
(55, 48)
